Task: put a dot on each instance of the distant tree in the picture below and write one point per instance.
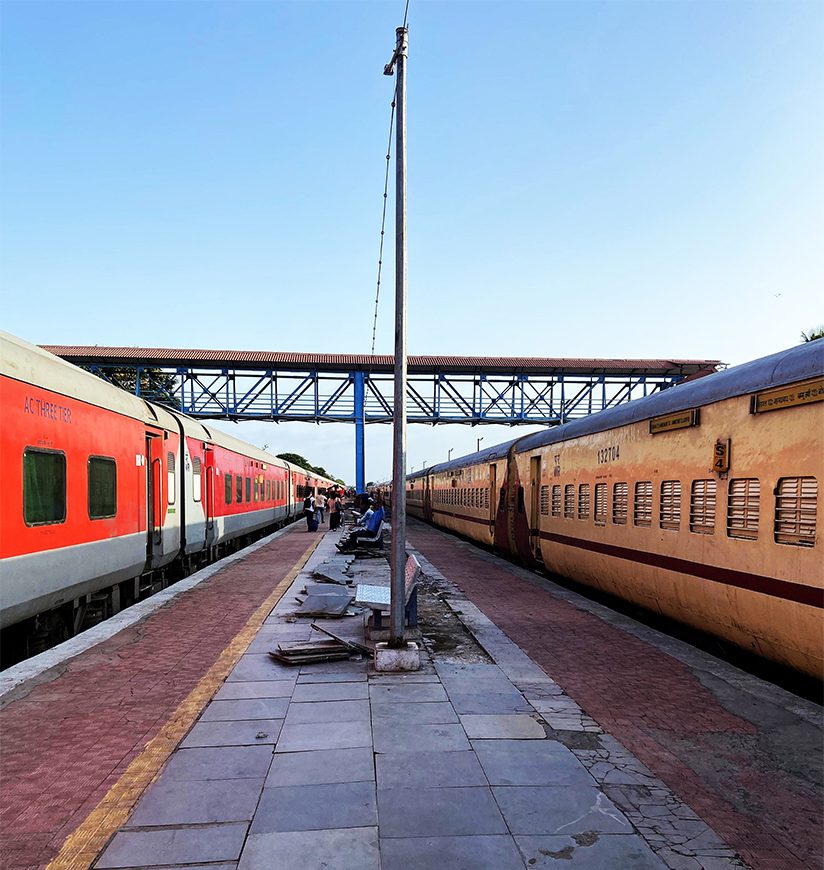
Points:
(297, 459)
(815, 333)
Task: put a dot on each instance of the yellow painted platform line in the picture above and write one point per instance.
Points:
(83, 846)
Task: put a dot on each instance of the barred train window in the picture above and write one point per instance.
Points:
(44, 486)
(642, 509)
(569, 501)
(227, 488)
(583, 501)
(556, 501)
(102, 473)
(796, 502)
(620, 499)
(545, 501)
(197, 482)
(702, 507)
(670, 515)
(600, 504)
(170, 469)
(743, 508)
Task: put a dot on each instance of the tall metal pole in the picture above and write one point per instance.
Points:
(397, 603)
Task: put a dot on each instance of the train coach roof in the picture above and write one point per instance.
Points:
(785, 367)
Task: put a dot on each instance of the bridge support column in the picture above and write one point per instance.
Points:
(359, 380)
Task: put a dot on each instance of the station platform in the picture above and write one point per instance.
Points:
(594, 742)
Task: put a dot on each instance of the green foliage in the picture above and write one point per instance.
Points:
(814, 334)
(297, 459)
(155, 384)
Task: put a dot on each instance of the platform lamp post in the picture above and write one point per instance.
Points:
(449, 454)
(397, 606)
(478, 445)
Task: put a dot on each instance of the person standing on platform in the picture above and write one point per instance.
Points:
(334, 511)
(320, 504)
(309, 512)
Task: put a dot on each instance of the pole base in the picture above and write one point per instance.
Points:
(388, 660)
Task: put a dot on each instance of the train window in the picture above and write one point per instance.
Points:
(521, 506)
(170, 469)
(268, 490)
(556, 501)
(642, 508)
(239, 489)
(583, 501)
(569, 501)
(256, 488)
(227, 488)
(796, 502)
(102, 480)
(702, 507)
(620, 501)
(502, 500)
(670, 512)
(545, 501)
(743, 508)
(197, 480)
(44, 486)
(600, 504)
(248, 489)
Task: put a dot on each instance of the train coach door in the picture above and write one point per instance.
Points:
(535, 506)
(493, 496)
(209, 496)
(154, 492)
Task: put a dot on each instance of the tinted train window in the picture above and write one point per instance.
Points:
(556, 501)
(642, 509)
(197, 482)
(227, 488)
(268, 490)
(796, 503)
(502, 500)
(248, 489)
(583, 501)
(600, 504)
(170, 470)
(569, 501)
(743, 508)
(256, 489)
(521, 508)
(670, 517)
(102, 475)
(44, 486)
(239, 489)
(620, 501)
(702, 507)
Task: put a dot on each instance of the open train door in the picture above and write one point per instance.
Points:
(427, 500)
(154, 495)
(534, 518)
(209, 495)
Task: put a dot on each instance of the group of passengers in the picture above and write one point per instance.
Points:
(316, 506)
(367, 525)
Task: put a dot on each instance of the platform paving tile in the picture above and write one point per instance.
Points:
(589, 851)
(322, 766)
(252, 708)
(407, 693)
(255, 689)
(390, 736)
(502, 727)
(552, 809)
(429, 770)
(438, 812)
(179, 802)
(489, 702)
(450, 853)
(331, 692)
(254, 666)
(315, 807)
(219, 763)
(530, 762)
(326, 735)
(342, 849)
(247, 732)
(328, 711)
(429, 712)
(170, 846)
(325, 677)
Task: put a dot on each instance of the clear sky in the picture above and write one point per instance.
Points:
(585, 179)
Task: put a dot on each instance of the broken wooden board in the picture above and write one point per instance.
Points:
(353, 645)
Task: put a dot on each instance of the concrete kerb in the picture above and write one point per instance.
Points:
(18, 674)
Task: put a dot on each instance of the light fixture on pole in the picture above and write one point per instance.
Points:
(478, 446)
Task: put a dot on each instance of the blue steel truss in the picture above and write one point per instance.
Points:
(364, 397)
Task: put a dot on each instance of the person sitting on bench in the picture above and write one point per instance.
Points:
(373, 524)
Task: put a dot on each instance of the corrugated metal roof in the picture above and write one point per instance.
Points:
(158, 356)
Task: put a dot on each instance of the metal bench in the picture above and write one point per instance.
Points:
(374, 541)
(377, 598)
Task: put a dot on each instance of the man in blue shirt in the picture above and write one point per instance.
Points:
(372, 525)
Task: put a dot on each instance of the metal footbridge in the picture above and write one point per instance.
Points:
(359, 388)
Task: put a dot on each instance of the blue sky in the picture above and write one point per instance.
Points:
(585, 179)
